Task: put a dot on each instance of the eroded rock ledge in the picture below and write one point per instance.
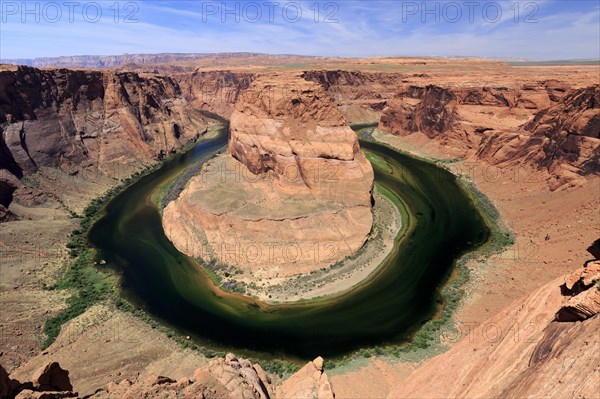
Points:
(560, 133)
(292, 195)
(223, 378)
(545, 345)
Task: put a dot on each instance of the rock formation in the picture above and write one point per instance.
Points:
(563, 138)
(228, 378)
(215, 91)
(582, 294)
(88, 118)
(360, 96)
(442, 112)
(433, 115)
(523, 351)
(572, 130)
(112, 122)
(562, 135)
(48, 382)
(51, 377)
(293, 195)
(231, 377)
(309, 382)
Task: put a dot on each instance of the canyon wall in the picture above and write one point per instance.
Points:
(111, 61)
(564, 139)
(112, 122)
(215, 91)
(360, 96)
(294, 193)
(436, 110)
(546, 125)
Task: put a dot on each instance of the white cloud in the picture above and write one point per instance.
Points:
(364, 29)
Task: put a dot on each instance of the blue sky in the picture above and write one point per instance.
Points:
(539, 30)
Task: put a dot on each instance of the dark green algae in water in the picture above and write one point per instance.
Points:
(388, 308)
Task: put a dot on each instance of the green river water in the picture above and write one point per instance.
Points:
(388, 308)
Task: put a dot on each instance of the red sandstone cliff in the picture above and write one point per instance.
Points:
(297, 178)
(360, 96)
(88, 120)
(215, 91)
(537, 124)
(527, 350)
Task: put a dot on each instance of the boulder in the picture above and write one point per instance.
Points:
(583, 278)
(51, 377)
(308, 383)
(318, 362)
(581, 306)
(581, 294)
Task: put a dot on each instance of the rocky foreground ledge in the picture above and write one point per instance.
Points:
(554, 355)
(543, 346)
(228, 378)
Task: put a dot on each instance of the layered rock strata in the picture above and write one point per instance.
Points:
(106, 121)
(294, 192)
(546, 126)
(545, 345)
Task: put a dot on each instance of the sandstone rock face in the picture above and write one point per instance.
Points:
(91, 118)
(294, 194)
(580, 307)
(571, 131)
(520, 352)
(564, 139)
(51, 377)
(360, 96)
(435, 110)
(582, 296)
(582, 279)
(287, 125)
(215, 91)
(112, 122)
(433, 115)
(309, 382)
(562, 134)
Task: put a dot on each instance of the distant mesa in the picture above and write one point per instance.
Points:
(112, 61)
